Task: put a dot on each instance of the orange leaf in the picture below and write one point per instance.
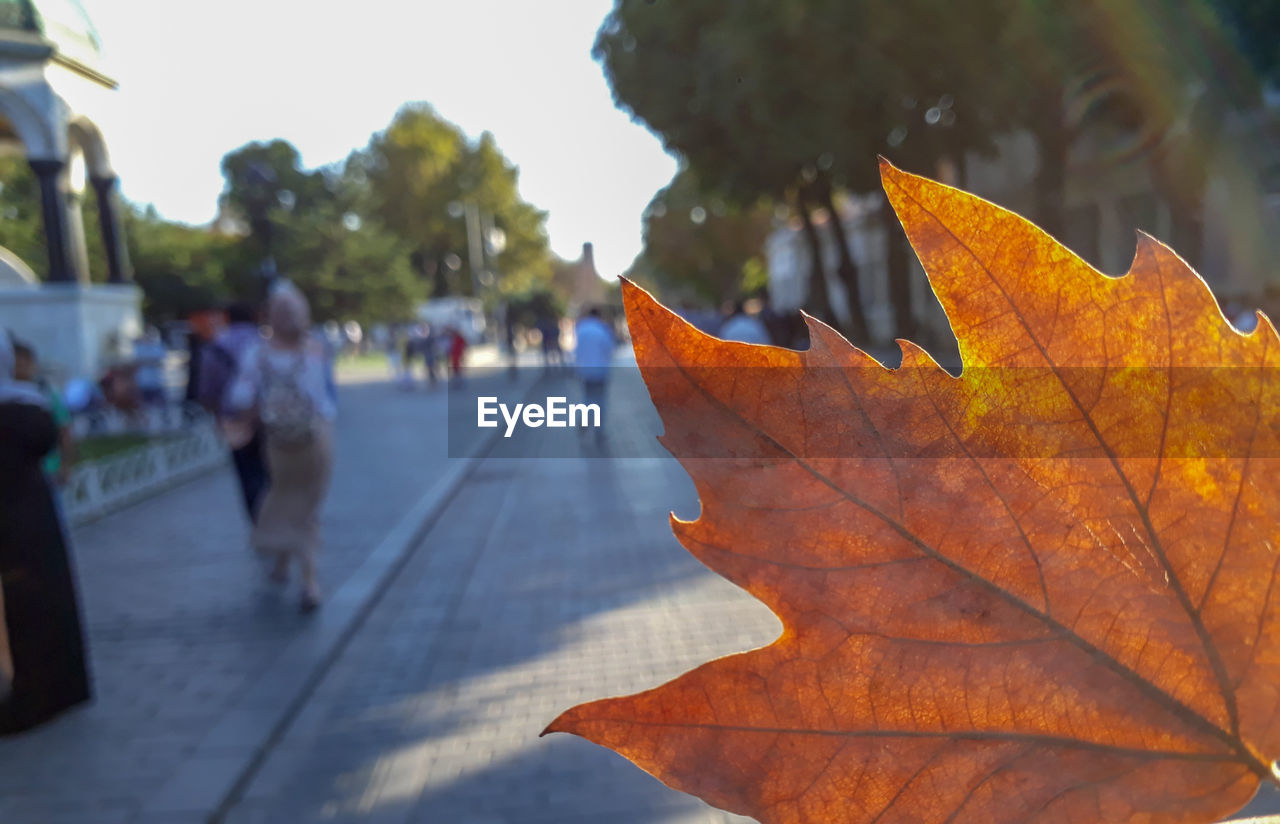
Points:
(1041, 591)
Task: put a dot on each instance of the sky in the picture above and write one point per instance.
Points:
(198, 79)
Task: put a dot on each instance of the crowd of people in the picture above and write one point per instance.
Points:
(269, 383)
(751, 321)
(441, 351)
(266, 377)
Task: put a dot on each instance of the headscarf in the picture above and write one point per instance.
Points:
(11, 389)
(288, 313)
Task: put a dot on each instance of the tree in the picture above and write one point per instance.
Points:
(349, 267)
(21, 226)
(1221, 53)
(1163, 75)
(792, 99)
(181, 269)
(695, 74)
(265, 184)
(417, 176)
(702, 245)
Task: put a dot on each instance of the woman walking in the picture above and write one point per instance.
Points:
(46, 657)
(285, 383)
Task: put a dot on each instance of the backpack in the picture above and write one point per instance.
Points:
(287, 411)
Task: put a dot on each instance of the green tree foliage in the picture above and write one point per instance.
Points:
(22, 225)
(21, 229)
(305, 220)
(266, 188)
(792, 99)
(358, 239)
(701, 247)
(416, 177)
(527, 307)
(180, 268)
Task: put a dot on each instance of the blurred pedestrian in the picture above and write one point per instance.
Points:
(592, 356)
(549, 329)
(148, 354)
(57, 464)
(391, 348)
(457, 351)
(410, 348)
(744, 327)
(46, 655)
(509, 338)
(285, 382)
(203, 327)
(221, 361)
(120, 390)
(354, 336)
(380, 337)
(431, 342)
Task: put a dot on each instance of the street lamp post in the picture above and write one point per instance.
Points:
(262, 179)
(267, 273)
(475, 249)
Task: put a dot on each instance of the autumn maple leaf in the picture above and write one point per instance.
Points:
(1041, 591)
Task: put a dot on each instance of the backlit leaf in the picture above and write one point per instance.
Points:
(1041, 591)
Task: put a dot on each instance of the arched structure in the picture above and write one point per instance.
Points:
(53, 93)
(52, 90)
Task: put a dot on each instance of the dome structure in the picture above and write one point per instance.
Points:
(60, 25)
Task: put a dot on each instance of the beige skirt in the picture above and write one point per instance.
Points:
(289, 520)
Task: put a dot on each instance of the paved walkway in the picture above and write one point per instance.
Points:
(546, 583)
(186, 639)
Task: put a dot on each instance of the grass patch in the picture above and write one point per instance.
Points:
(366, 362)
(96, 447)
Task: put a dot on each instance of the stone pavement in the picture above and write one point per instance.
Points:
(547, 582)
(194, 657)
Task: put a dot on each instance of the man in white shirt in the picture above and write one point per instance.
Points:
(593, 355)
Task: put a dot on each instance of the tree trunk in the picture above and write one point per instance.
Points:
(1187, 230)
(1053, 140)
(819, 302)
(898, 264)
(1181, 176)
(962, 171)
(431, 265)
(847, 270)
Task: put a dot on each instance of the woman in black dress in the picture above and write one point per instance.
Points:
(41, 612)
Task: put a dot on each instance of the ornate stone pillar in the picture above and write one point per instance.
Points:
(53, 204)
(77, 246)
(118, 268)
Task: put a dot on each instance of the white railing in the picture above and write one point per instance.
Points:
(102, 486)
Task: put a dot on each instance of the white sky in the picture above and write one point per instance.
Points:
(199, 78)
